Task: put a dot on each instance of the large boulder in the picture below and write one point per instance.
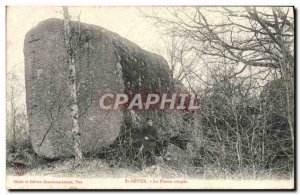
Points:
(105, 62)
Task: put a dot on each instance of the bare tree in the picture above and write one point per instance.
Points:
(73, 88)
(17, 123)
(243, 59)
(240, 38)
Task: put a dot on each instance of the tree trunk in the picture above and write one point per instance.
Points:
(73, 88)
(13, 117)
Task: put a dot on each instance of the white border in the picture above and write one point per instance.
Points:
(3, 4)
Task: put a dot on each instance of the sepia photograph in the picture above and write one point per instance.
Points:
(150, 97)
